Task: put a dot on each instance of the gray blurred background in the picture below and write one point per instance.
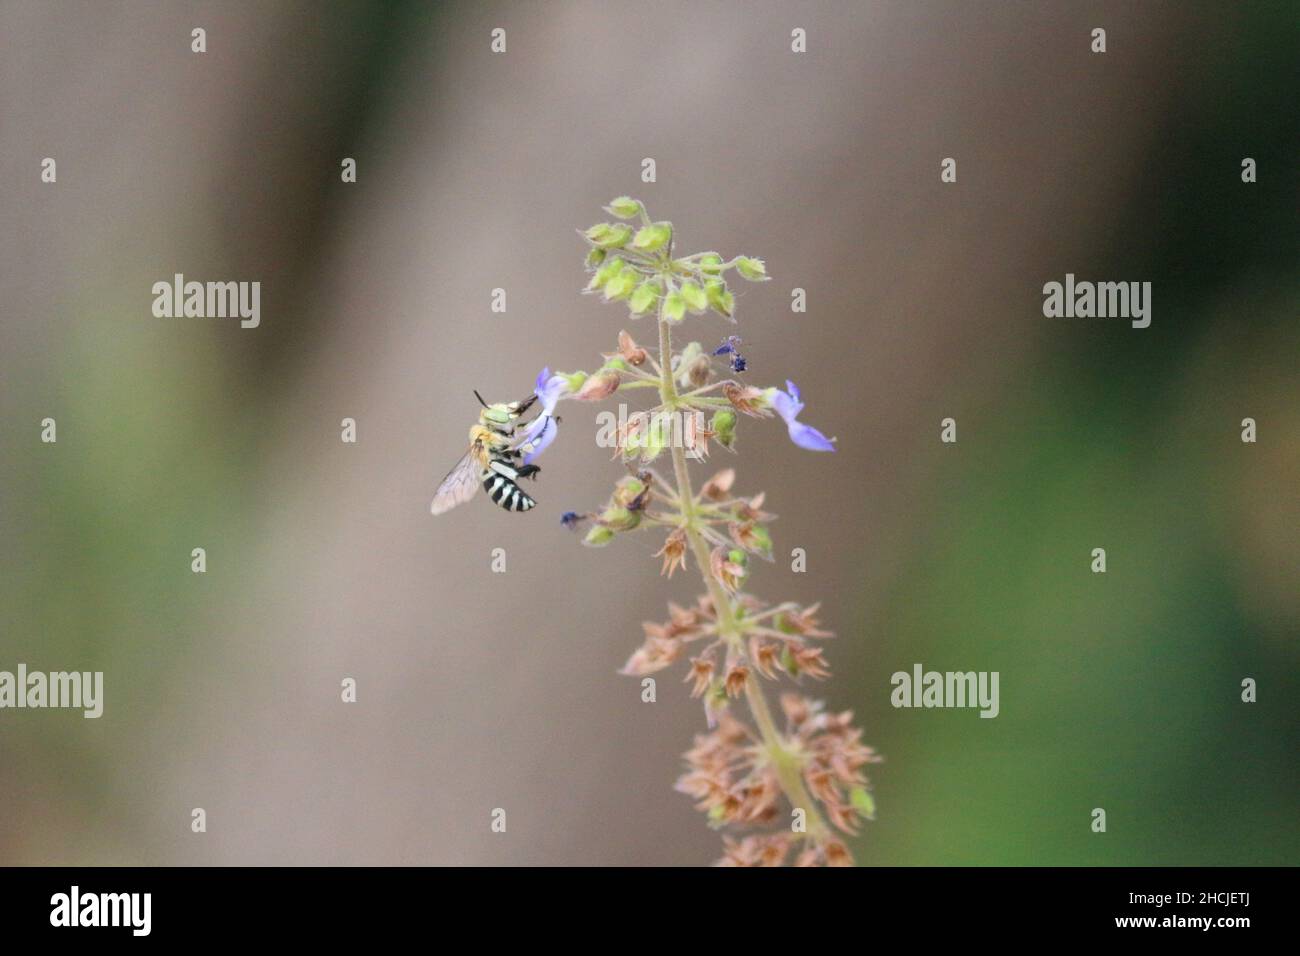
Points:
(924, 301)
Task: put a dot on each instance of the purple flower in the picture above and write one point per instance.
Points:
(571, 520)
(730, 344)
(541, 431)
(550, 389)
(788, 406)
(537, 442)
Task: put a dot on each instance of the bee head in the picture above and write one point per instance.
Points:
(502, 413)
(496, 414)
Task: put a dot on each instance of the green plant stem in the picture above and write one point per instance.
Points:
(785, 762)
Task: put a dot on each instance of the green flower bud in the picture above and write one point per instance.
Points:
(615, 363)
(621, 285)
(862, 801)
(752, 269)
(606, 272)
(619, 519)
(645, 296)
(615, 237)
(723, 426)
(656, 438)
(720, 298)
(575, 379)
(595, 257)
(694, 297)
(652, 238)
(598, 537)
(606, 236)
(711, 263)
(736, 556)
(674, 306)
(624, 207)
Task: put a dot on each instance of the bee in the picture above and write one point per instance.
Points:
(493, 461)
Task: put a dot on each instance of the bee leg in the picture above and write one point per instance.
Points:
(529, 471)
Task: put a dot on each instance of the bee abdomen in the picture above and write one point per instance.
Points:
(503, 490)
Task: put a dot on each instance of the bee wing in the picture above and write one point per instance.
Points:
(459, 485)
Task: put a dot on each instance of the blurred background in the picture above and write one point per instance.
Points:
(478, 690)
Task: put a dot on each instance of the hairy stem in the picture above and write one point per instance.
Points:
(784, 762)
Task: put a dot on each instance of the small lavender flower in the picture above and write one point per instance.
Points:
(788, 406)
(549, 388)
(541, 431)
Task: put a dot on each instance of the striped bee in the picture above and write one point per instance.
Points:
(493, 461)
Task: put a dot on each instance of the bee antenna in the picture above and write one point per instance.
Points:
(480, 398)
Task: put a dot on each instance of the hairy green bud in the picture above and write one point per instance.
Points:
(645, 296)
(621, 285)
(694, 297)
(723, 426)
(652, 238)
(711, 264)
(624, 207)
(619, 519)
(611, 268)
(603, 235)
(675, 306)
(719, 297)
